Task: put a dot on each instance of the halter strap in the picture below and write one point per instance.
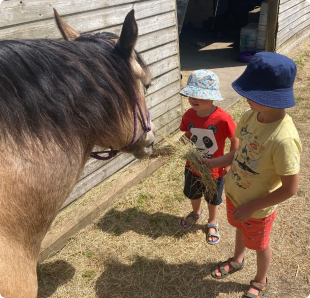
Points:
(147, 127)
(106, 42)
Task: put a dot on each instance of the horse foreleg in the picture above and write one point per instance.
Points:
(18, 277)
(31, 194)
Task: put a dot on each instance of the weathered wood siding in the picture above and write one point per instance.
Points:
(158, 44)
(293, 24)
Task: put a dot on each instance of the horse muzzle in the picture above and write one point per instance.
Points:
(144, 148)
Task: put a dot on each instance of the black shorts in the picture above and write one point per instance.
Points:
(194, 189)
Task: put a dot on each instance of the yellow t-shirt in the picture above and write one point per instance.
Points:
(266, 151)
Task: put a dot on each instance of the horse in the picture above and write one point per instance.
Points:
(59, 99)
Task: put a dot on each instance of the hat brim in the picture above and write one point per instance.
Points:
(199, 93)
(279, 98)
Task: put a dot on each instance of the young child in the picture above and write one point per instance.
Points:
(207, 126)
(264, 169)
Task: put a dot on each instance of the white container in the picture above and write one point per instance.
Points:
(262, 24)
(260, 41)
(248, 35)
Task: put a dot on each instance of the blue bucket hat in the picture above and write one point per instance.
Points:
(202, 84)
(268, 80)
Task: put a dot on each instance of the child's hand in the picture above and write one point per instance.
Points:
(192, 169)
(242, 213)
(226, 170)
(208, 162)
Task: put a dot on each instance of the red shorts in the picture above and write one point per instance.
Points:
(255, 232)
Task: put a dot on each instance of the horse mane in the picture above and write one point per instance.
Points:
(59, 90)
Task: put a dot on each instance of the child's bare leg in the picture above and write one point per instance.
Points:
(212, 219)
(238, 255)
(239, 247)
(263, 263)
(196, 205)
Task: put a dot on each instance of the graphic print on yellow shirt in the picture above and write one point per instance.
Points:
(247, 159)
(266, 151)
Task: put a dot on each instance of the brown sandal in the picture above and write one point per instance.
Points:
(262, 290)
(236, 267)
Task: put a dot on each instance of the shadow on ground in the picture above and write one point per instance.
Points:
(152, 225)
(52, 275)
(156, 278)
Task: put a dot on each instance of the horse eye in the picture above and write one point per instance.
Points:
(147, 86)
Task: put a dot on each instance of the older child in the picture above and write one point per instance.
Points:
(208, 127)
(264, 169)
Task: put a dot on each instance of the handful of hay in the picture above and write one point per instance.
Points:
(184, 149)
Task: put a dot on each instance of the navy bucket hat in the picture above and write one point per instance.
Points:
(268, 80)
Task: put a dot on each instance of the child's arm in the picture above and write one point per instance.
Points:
(220, 162)
(234, 143)
(187, 135)
(289, 187)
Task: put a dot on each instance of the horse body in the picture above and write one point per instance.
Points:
(57, 100)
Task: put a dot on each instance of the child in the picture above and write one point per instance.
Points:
(264, 169)
(207, 126)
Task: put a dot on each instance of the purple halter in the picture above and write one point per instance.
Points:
(147, 127)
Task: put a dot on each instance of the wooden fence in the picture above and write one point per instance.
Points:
(293, 24)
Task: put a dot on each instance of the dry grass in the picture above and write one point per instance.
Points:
(136, 249)
(183, 149)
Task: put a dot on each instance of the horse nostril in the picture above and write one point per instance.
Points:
(151, 145)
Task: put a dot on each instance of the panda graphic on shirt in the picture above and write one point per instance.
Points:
(204, 139)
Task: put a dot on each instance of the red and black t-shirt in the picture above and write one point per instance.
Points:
(209, 133)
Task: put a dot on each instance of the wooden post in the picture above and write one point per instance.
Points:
(272, 25)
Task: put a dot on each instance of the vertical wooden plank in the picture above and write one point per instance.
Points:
(178, 41)
(272, 25)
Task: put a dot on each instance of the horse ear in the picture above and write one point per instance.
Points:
(129, 35)
(67, 32)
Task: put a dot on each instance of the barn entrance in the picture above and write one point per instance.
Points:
(210, 39)
(217, 21)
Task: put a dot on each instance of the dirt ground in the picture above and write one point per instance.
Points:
(219, 55)
(136, 248)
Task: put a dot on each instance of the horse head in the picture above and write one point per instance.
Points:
(137, 133)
